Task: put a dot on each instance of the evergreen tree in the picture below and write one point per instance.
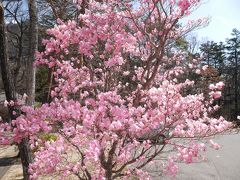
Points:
(232, 63)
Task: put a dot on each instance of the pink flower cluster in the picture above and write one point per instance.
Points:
(119, 99)
(216, 93)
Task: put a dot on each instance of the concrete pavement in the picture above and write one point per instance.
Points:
(222, 164)
(7, 159)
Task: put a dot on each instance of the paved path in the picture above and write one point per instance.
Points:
(223, 164)
(3, 170)
(7, 158)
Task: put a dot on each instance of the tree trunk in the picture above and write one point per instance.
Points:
(24, 149)
(5, 70)
(26, 157)
(236, 84)
(33, 44)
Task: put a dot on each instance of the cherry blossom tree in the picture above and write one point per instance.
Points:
(119, 99)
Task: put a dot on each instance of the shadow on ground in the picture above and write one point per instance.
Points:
(9, 161)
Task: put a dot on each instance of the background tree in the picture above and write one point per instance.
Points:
(17, 17)
(10, 91)
(32, 49)
(212, 55)
(207, 50)
(223, 61)
(50, 11)
(5, 69)
(232, 64)
(24, 148)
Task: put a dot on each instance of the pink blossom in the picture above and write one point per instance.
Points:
(220, 85)
(190, 66)
(198, 71)
(126, 73)
(184, 5)
(205, 67)
(216, 94)
(11, 103)
(214, 145)
(211, 87)
(5, 103)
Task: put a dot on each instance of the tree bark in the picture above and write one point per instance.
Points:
(26, 157)
(236, 83)
(33, 44)
(5, 70)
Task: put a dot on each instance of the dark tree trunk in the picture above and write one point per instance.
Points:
(236, 83)
(24, 149)
(5, 70)
(26, 157)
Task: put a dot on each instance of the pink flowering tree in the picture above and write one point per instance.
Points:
(118, 101)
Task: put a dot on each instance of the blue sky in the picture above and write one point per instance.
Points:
(224, 16)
